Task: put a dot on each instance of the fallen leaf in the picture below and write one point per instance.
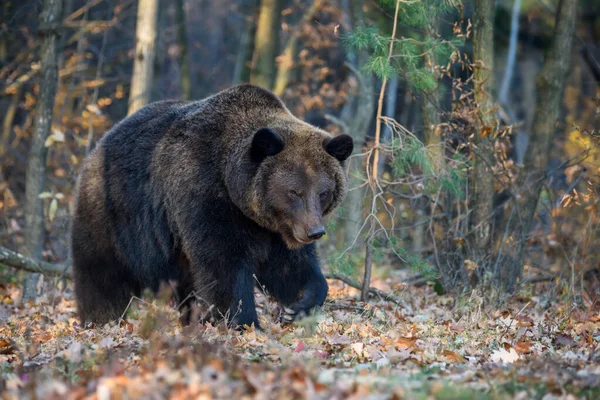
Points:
(456, 328)
(504, 356)
(73, 353)
(358, 348)
(338, 339)
(523, 347)
(406, 343)
(299, 347)
(524, 321)
(6, 347)
(563, 340)
(452, 356)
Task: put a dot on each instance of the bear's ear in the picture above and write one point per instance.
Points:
(340, 146)
(264, 144)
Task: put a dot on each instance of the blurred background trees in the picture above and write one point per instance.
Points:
(475, 122)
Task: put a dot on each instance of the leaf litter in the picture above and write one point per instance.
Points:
(437, 349)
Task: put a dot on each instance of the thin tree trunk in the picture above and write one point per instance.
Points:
(289, 53)
(363, 116)
(5, 13)
(242, 55)
(374, 175)
(70, 98)
(390, 112)
(184, 63)
(90, 144)
(512, 53)
(550, 86)
(36, 167)
(435, 145)
(9, 118)
(143, 67)
(266, 44)
(243, 62)
(483, 158)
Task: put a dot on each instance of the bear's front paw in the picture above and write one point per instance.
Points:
(312, 296)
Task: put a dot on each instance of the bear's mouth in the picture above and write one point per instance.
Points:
(292, 241)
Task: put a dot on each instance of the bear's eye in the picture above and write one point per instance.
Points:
(324, 195)
(293, 193)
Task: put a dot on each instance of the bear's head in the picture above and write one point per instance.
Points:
(297, 178)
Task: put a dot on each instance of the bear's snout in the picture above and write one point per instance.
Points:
(316, 232)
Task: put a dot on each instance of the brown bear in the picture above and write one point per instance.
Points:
(216, 195)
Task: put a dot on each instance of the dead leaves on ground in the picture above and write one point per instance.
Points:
(351, 349)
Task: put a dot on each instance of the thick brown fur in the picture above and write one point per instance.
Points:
(216, 195)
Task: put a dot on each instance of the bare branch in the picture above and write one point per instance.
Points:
(374, 291)
(13, 259)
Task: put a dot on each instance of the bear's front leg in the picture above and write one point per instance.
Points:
(243, 310)
(312, 295)
(294, 279)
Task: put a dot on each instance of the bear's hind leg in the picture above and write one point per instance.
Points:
(102, 293)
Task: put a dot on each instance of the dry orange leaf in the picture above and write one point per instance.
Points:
(43, 337)
(452, 356)
(6, 347)
(525, 321)
(486, 131)
(523, 347)
(406, 343)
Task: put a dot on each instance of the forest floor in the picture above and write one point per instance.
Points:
(432, 347)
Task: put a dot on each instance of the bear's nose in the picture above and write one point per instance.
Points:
(316, 232)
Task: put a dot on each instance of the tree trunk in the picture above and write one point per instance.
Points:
(550, 86)
(143, 67)
(184, 63)
(266, 44)
(512, 54)
(6, 12)
(483, 157)
(363, 116)
(9, 118)
(287, 60)
(243, 61)
(36, 166)
(390, 112)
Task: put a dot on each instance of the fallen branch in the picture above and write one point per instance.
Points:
(13, 259)
(374, 291)
(539, 279)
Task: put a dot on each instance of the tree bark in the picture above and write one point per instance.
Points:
(550, 86)
(266, 44)
(365, 109)
(483, 158)
(184, 63)
(36, 166)
(143, 67)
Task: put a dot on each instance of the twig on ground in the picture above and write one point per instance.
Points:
(374, 291)
(348, 306)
